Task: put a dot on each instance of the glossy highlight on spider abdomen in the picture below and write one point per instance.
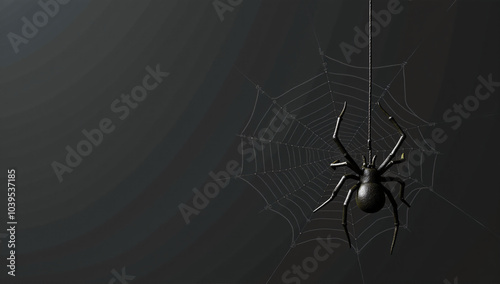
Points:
(370, 197)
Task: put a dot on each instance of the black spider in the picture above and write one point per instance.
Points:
(369, 189)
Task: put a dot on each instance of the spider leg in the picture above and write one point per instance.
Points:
(396, 218)
(336, 190)
(402, 188)
(344, 212)
(393, 162)
(398, 144)
(336, 164)
(350, 162)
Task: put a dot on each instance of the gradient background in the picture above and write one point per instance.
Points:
(118, 208)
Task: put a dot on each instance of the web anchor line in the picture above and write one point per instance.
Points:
(370, 83)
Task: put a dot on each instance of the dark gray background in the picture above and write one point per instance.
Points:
(118, 208)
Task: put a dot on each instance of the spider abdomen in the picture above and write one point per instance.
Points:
(370, 197)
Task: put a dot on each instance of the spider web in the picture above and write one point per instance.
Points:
(290, 169)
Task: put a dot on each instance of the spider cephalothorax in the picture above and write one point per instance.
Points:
(369, 190)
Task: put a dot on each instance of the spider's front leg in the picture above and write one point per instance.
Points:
(336, 190)
(384, 166)
(350, 162)
(401, 190)
(391, 163)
